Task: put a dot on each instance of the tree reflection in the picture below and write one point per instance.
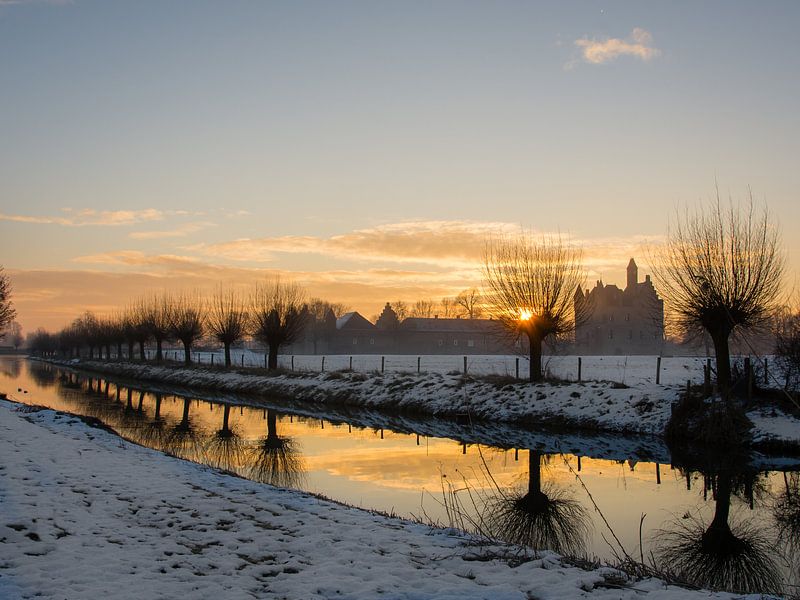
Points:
(542, 517)
(45, 375)
(276, 460)
(225, 447)
(728, 554)
(185, 439)
(153, 432)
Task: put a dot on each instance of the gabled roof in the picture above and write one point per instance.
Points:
(353, 320)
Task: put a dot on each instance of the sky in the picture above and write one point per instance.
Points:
(368, 149)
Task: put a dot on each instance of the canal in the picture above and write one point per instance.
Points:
(599, 496)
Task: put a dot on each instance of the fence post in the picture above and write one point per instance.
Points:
(579, 369)
(766, 373)
(383, 363)
(658, 371)
(418, 361)
(265, 361)
(707, 378)
(323, 364)
(243, 358)
(351, 363)
(292, 362)
(465, 365)
(517, 364)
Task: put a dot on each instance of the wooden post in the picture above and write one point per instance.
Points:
(419, 358)
(516, 454)
(658, 371)
(292, 362)
(579, 463)
(323, 364)
(517, 363)
(766, 373)
(212, 359)
(383, 366)
(351, 363)
(579, 369)
(464, 448)
(465, 365)
(707, 378)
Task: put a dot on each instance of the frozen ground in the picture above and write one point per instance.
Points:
(597, 405)
(87, 515)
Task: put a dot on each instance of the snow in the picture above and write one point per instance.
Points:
(88, 515)
(643, 407)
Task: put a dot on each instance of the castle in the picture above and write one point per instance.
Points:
(629, 321)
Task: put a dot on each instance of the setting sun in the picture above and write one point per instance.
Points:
(525, 314)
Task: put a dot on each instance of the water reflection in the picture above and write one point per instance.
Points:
(225, 446)
(541, 516)
(276, 459)
(185, 439)
(732, 554)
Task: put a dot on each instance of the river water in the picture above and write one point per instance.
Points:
(588, 495)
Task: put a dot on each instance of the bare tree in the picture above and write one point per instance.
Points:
(423, 308)
(7, 312)
(400, 308)
(278, 316)
(470, 303)
(448, 306)
(15, 335)
(721, 271)
(156, 314)
(787, 345)
(187, 321)
(227, 319)
(322, 319)
(529, 288)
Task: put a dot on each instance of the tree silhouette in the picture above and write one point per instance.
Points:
(721, 271)
(187, 321)
(278, 316)
(227, 319)
(530, 284)
(7, 312)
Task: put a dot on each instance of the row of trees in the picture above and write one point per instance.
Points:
(274, 313)
(467, 305)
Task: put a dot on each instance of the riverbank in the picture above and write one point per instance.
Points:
(592, 406)
(86, 514)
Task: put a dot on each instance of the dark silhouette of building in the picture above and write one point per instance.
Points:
(629, 321)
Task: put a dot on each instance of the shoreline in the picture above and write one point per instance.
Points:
(590, 406)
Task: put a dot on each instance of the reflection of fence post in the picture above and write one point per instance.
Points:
(579, 369)
(658, 370)
(465, 365)
(517, 364)
(212, 359)
(383, 363)
(419, 358)
(658, 474)
(242, 358)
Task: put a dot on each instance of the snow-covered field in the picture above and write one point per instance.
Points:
(630, 370)
(87, 515)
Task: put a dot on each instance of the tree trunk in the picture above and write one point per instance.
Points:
(187, 353)
(723, 356)
(130, 350)
(535, 344)
(272, 361)
(534, 472)
(142, 354)
(159, 353)
(227, 354)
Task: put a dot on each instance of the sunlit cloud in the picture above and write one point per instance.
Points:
(88, 216)
(638, 45)
(413, 242)
(178, 232)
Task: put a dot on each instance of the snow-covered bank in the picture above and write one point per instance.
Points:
(645, 408)
(88, 515)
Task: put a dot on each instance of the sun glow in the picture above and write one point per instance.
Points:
(525, 314)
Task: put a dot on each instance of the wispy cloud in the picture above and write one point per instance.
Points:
(456, 242)
(88, 216)
(600, 51)
(178, 232)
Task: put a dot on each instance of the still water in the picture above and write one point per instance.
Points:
(735, 526)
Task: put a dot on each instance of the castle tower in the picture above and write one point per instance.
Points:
(633, 275)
